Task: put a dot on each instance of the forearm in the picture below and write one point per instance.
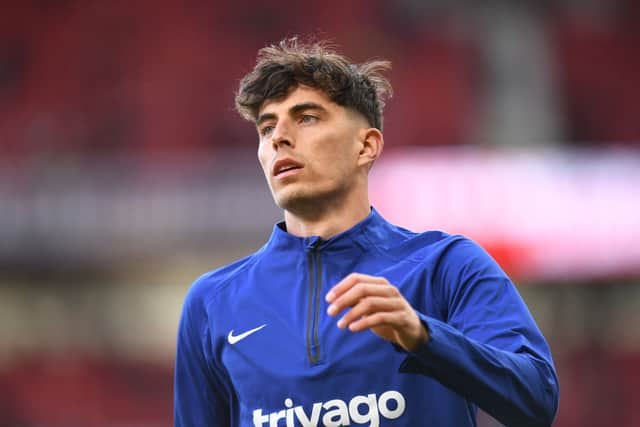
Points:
(517, 388)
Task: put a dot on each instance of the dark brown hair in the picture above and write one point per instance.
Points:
(281, 67)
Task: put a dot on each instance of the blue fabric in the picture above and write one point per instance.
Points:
(300, 369)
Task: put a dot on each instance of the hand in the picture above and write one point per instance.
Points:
(377, 305)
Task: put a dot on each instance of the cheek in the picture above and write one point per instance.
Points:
(263, 159)
(334, 165)
(344, 156)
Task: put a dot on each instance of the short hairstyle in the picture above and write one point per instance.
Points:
(279, 68)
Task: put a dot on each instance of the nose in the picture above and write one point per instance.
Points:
(282, 135)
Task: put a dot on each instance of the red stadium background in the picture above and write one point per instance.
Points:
(125, 173)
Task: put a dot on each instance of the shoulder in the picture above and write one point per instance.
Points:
(447, 256)
(206, 288)
(453, 255)
(461, 255)
(428, 246)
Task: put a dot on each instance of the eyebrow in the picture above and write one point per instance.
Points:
(295, 109)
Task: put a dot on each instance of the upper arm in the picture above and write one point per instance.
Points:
(200, 396)
(483, 303)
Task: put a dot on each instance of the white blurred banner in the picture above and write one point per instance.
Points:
(547, 214)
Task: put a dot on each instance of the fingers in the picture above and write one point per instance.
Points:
(355, 287)
(377, 305)
(365, 307)
(366, 296)
(375, 320)
(351, 280)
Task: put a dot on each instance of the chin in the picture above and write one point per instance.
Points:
(291, 202)
(307, 200)
(294, 201)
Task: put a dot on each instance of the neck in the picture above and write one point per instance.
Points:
(329, 219)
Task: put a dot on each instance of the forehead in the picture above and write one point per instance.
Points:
(298, 95)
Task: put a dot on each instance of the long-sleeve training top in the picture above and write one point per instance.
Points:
(257, 348)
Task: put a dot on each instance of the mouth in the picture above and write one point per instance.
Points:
(285, 167)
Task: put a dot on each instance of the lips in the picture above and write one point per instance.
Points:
(285, 165)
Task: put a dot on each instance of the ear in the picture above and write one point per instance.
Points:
(372, 142)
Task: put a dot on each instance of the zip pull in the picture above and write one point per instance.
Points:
(313, 242)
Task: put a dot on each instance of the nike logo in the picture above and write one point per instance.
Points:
(235, 338)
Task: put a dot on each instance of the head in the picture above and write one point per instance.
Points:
(319, 121)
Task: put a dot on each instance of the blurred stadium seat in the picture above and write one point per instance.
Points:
(120, 150)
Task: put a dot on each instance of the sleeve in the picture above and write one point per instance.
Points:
(199, 391)
(489, 349)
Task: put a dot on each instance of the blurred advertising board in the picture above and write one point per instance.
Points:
(544, 215)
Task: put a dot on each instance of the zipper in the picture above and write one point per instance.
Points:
(313, 302)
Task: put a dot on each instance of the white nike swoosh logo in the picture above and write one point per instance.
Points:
(235, 338)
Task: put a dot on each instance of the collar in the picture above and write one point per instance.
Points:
(371, 230)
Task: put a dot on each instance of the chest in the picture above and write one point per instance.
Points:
(273, 329)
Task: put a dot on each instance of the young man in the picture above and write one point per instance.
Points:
(343, 318)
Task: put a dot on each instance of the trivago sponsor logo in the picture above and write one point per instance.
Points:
(336, 412)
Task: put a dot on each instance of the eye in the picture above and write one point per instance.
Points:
(306, 118)
(266, 130)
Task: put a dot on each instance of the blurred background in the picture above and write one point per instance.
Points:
(125, 174)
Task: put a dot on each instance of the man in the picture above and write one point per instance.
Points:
(343, 318)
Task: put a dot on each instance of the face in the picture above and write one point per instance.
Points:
(310, 149)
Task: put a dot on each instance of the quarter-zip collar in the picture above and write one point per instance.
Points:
(320, 257)
(371, 230)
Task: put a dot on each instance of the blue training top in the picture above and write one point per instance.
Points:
(256, 347)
